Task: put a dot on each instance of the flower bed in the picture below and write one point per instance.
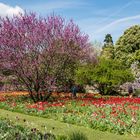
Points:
(115, 114)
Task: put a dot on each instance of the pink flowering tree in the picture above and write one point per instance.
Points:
(41, 52)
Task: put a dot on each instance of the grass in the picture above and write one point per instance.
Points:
(59, 128)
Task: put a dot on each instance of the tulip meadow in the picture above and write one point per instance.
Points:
(106, 113)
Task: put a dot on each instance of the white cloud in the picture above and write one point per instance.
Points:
(6, 10)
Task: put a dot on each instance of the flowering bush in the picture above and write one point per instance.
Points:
(41, 53)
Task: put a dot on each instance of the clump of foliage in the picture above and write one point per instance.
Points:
(9, 131)
(77, 136)
(107, 75)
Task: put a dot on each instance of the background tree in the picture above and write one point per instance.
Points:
(108, 47)
(97, 47)
(108, 41)
(41, 52)
(127, 48)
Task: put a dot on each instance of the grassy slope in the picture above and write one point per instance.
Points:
(59, 128)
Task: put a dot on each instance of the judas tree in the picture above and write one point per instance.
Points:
(41, 52)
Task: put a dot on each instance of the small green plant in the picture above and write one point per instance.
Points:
(62, 137)
(77, 136)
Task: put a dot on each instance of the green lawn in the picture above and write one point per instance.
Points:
(59, 128)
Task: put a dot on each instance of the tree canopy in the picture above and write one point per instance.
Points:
(108, 41)
(128, 46)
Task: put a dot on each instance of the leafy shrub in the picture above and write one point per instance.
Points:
(77, 136)
(108, 75)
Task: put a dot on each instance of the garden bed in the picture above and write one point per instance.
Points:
(118, 115)
(44, 125)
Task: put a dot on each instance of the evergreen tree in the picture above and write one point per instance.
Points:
(108, 47)
(108, 41)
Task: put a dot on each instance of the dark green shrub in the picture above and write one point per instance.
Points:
(77, 136)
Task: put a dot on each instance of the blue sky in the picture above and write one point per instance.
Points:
(94, 17)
